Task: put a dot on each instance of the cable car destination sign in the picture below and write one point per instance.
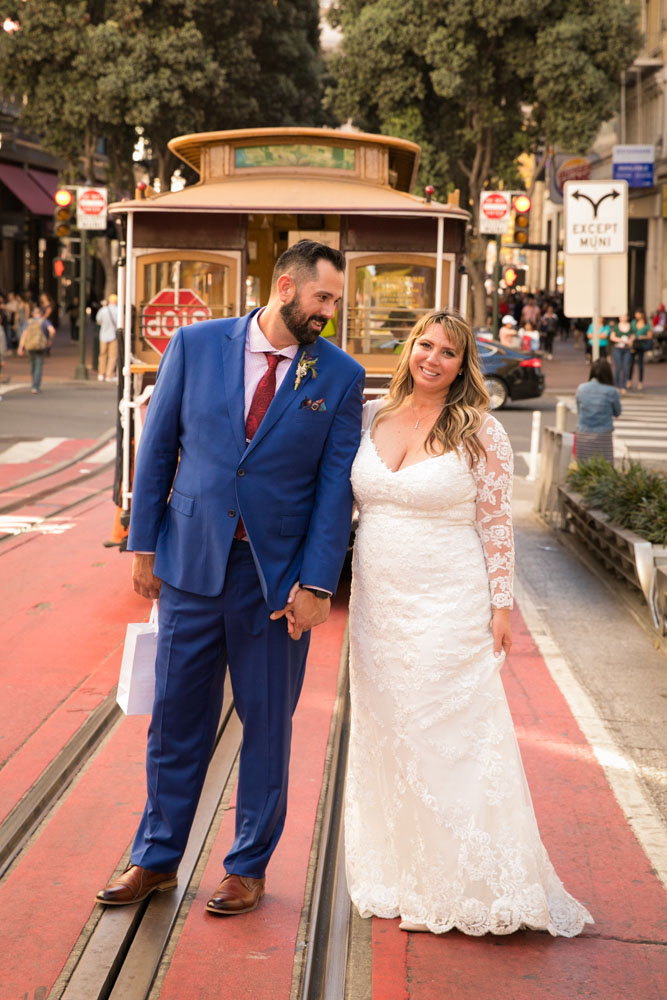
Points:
(596, 217)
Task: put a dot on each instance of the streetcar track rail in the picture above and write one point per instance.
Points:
(123, 950)
(20, 823)
(53, 470)
(123, 953)
(36, 497)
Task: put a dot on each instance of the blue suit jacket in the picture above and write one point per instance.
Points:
(194, 473)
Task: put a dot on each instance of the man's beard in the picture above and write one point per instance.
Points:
(298, 323)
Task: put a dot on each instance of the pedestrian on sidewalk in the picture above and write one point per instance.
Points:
(241, 508)
(621, 339)
(529, 337)
(107, 318)
(548, 330)
(598, 402)
(603, 339)
(36, 339)
(643, 341)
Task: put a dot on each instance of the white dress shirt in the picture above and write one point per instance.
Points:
(255, 364)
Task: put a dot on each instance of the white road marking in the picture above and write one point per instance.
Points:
(623, 775)
(105, 454)
(11, 524)
(28, 451)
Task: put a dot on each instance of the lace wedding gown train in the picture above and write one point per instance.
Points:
(439, 823)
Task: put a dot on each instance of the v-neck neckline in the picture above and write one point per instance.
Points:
(402, 468)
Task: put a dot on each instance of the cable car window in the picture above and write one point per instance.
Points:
(295, 155)
(389, 299)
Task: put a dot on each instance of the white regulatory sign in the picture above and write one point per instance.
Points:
(91, 208)
(494, 212)
(596, 217)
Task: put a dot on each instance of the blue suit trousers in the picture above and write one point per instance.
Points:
(198, 637)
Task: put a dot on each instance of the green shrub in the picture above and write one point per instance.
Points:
(633, 496)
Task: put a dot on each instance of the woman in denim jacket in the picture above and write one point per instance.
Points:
(598, 402)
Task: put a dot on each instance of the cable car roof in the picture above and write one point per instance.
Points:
(296, 170)
(280, 195)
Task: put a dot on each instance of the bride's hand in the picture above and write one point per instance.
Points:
(501, 631)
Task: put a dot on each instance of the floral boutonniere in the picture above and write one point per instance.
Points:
(306, 364)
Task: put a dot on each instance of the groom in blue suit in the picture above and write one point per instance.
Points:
(241, 510)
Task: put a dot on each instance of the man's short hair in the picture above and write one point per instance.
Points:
(301, 260)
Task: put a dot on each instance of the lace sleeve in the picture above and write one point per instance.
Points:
(493, 476)
(369, 411)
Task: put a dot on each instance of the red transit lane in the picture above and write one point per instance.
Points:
(623, 956)
(64, 603)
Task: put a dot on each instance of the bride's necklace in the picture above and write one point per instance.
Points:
(423, 415)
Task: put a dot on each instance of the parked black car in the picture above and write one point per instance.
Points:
(509, 374)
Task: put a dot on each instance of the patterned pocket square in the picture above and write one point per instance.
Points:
(313, 404)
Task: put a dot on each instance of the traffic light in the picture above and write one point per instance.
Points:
(521, 205)
(64, 267)
(514, 276)
(64, 215)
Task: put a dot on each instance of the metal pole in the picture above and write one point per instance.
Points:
(438, 263)
(127, 388)
(534, 446)
(496, 283)
(81, 370)
(596, 307)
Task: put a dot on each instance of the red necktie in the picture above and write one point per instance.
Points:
(264, 393)
(261, 401)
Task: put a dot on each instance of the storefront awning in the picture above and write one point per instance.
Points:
(47, 181)
(26, 189)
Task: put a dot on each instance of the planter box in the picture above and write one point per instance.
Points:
(621, 551)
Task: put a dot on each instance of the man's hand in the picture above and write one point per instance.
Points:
(144, 580)
(501, 631)
(303, 611)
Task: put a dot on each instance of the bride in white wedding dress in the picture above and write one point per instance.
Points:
(439, 824)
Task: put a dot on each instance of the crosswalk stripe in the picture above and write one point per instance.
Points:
(28, 451)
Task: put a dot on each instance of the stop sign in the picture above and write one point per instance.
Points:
(169, 310)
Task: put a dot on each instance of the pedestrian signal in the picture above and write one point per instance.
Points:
(64, 267)
(514, 276)
(64, 220)
(521, 205)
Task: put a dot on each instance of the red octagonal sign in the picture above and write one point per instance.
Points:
(169, 310)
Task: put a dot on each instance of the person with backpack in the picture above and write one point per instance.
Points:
(36, 337)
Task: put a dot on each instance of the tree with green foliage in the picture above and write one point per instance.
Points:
(89, 70)
(106, 71)
(478, 82)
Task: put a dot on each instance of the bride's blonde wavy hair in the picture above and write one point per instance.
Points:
(467, 400)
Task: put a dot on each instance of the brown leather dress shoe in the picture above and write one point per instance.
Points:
(236, 894)
(134, 885)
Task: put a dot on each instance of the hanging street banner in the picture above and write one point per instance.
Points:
(91, 208)
(596, 217)
(634, 164)
(494, 212)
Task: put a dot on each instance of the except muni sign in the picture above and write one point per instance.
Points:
(596, 217)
